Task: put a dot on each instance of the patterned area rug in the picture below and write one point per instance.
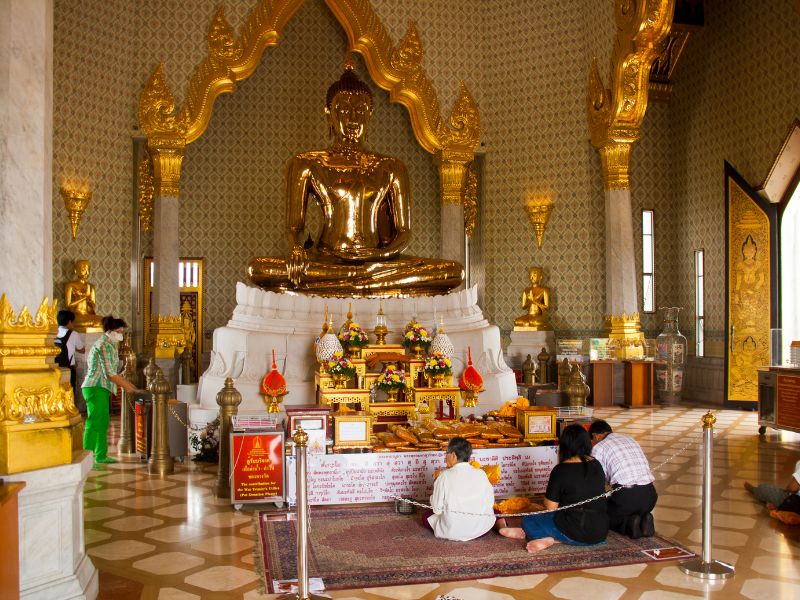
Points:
(368, 546)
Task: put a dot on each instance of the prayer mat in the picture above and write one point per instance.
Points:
(372, 545)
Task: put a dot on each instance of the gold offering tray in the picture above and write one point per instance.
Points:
(433, 396)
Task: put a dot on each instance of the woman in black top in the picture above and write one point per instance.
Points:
(577, 477)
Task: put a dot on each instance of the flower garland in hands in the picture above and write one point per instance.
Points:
(353, 336)
(338, 364)
(438, 364)
(391, 379)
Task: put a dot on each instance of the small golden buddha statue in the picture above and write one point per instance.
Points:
(366, 216)
(80, 298)
(536, 300)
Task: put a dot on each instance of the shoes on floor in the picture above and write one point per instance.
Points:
(106, 461)
(648, 525)
(633, 527)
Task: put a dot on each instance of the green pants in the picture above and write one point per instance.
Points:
(96, 431)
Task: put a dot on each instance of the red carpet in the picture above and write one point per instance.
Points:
(368, 546)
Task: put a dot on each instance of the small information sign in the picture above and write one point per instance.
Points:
(257, 473)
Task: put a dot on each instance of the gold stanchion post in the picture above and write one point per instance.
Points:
(127, 435)
(228, 399)
(160, 462)
(704, 567)
(300, 439)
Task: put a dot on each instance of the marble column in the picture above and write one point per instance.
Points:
(452, 231)
(166, 254)
(26, 150)
(620, 261)
(53, 561)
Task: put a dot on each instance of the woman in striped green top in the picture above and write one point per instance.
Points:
(101, 380)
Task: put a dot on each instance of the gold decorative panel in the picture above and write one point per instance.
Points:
(749, 256)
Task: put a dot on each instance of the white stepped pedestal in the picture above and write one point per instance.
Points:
(289, 324)
(52, 559)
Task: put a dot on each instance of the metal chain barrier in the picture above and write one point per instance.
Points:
(182, 422)
(693, 442)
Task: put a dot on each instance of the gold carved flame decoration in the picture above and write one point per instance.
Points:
(470, 200)
(146, 193)
(397, 69)
(44, 403)
(43, 322)
(616, 114)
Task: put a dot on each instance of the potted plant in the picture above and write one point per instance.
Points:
(416, 338)
(392, 381)
(353, 339)
(341, 370)
(438, 368)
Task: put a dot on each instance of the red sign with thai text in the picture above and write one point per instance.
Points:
(257, 473)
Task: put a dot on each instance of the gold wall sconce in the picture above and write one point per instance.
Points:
(539, 210)
(75, 200)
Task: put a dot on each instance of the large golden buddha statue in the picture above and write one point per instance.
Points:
(366, 208)
(536, 301)
(80, 298)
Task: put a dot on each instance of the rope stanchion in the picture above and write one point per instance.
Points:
(705, 567)
(300, 440)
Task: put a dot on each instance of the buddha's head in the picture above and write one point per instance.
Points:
(535, 273)
(82, 270)
(348, 106)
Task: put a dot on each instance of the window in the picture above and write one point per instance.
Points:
(648, 258)
(699, 304)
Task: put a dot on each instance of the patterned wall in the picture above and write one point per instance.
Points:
(736, 93)
(525, 63)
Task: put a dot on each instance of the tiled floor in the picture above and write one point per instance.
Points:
(171, 539)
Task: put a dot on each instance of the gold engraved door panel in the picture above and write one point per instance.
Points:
(750, 285)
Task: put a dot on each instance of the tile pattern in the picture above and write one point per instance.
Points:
(202, 548)
(735, 96)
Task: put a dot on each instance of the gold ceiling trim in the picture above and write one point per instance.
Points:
(397, 69)
(616, 114)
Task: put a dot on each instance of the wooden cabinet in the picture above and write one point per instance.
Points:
(9, 549)
(638, 383)
(602, 382)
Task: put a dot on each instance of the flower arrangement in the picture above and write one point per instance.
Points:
(391, 379)
(338, 364)
(416, 334)
(438, 364)
(206, 443)
(353, 336)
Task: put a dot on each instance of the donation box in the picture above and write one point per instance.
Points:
(257, 469)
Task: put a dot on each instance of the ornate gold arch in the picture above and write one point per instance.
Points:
(397, 69)
(616, 114)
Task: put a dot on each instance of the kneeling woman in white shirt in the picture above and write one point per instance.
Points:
(460, 489)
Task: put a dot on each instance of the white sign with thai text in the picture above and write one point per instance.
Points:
(380, 477)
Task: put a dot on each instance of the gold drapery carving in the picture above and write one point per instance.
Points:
(616, 114)
(397, 69)
(146, 193)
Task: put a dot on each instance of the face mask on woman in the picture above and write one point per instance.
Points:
(114, 336)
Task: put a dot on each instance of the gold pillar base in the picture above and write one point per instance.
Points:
(30, 446)
(167, 336)
(36, 410)
(625, 336)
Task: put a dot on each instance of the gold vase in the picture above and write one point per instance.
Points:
(438, 380)
(392, 393)
(470, 398)
(353, 351)
(417, 350)
(340, 380)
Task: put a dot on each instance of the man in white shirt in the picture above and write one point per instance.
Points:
(71, 342)
(461, 488)
(626, 467)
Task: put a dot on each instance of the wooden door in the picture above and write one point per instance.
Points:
(751, 287)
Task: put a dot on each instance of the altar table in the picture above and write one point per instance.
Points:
(381, 476)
